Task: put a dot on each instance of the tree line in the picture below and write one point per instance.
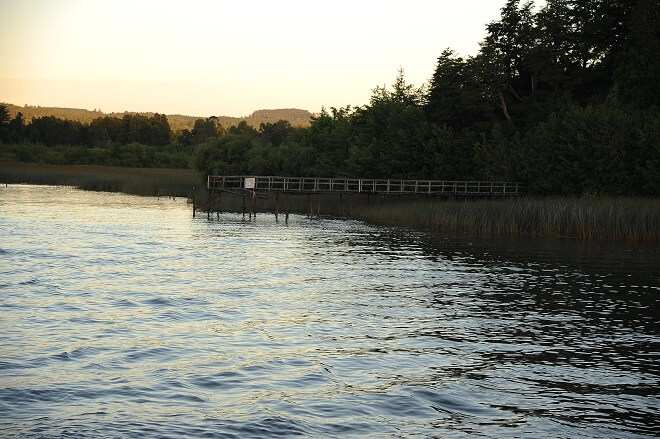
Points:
(178, 122)
(134, 140)
(563, 98)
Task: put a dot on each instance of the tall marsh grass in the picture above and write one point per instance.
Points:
(136, 181)
(630, 219)
(626, 219)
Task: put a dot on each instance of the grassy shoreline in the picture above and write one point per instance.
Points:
(633, 219)
(135, 181)
(621, 219)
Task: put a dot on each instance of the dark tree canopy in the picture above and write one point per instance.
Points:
(564, 98)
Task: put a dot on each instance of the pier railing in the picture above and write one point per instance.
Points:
(355, 185)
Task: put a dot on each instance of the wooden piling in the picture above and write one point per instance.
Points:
(277, 205)
(287, 209)
(253, 205)
(193, 202)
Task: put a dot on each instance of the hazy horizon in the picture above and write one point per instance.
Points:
(204, 58)
(101, 110)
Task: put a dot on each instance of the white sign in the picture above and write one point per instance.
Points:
(249, 182)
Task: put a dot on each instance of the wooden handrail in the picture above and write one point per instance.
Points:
(362, 185)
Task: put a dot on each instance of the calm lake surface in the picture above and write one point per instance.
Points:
(123, 316)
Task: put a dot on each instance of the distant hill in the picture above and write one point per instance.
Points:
(297, 118)
(85, 116)
(294, 116)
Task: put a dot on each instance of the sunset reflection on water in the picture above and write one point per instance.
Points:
(125, 316)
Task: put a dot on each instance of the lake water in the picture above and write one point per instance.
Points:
(123, 316)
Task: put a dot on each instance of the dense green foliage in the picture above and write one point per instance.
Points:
(564, 98)
(133, 140)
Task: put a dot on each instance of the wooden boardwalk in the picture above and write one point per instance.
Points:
(253, 187)
(316, 185)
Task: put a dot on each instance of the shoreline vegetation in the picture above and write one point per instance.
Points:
(134, 181)
(563, 98)
(633, 219)
(532, 106)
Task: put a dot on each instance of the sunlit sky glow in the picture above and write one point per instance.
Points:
(221, 57)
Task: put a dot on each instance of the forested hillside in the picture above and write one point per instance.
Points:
(75, 114)
(177, 122)
(564, 98)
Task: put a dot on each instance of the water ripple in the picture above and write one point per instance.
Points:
(159, 325)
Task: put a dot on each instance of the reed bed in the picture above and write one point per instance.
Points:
(626, 219)
(623, 219)
(136, 181)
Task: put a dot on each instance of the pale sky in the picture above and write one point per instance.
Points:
(225, 58)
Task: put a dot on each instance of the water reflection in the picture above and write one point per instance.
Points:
(124, 316)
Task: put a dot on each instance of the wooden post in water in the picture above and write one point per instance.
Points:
(277, 205)
(253, 205)
(193, 201)
(286, 218)
(208, 205)
(309, 205)
(243, 205)
(318, 205)
(250, 213)
(217, 207)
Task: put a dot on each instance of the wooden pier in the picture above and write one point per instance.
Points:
(252, 187)
(315, 185)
